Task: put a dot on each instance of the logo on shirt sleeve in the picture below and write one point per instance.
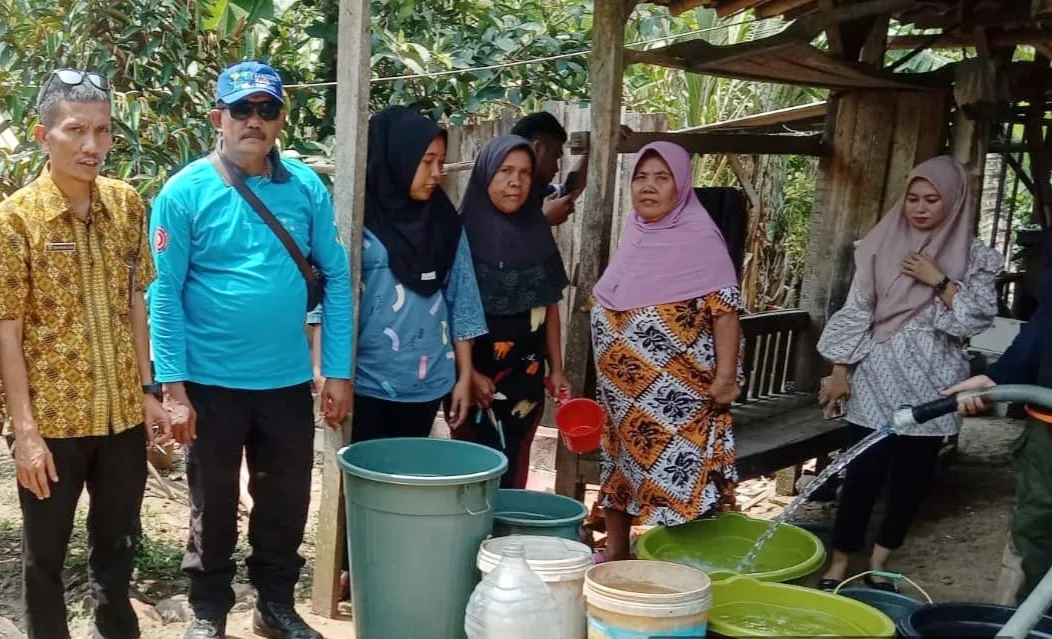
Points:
(160, 239)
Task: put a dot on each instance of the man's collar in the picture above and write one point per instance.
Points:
(47, 184)
(278, 172)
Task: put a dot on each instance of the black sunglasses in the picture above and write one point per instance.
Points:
(73, 77)
(268, 110)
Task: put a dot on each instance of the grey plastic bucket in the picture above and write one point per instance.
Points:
(896, 606)
(531, 512)
(417, 512)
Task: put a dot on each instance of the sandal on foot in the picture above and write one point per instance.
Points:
(885, 586)
(829, 585)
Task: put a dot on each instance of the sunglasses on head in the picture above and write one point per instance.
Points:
(73, 77)
(268, 110)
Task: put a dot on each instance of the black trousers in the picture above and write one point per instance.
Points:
(379, 418)
(113, 468)
(907, 463)
(275, 429)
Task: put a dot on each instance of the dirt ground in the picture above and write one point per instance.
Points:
(157, 575)
(954, 550)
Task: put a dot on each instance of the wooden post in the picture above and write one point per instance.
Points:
(349, 157)
(1037, 147)
(807, 369)
(975, 92)
(865, 39)
(851, 204)
(606, 73)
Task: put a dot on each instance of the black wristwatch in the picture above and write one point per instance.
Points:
(152, 389)
(940, 288)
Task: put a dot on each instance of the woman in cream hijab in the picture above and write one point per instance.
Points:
(923, 286)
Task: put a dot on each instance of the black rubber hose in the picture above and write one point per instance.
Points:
(1018, 393)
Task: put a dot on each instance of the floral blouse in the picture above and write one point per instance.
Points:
(923, 358)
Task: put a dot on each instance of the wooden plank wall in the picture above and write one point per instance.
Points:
(465, 143)
(920, 133)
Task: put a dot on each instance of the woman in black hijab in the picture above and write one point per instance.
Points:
(420, 305)
(521, 279)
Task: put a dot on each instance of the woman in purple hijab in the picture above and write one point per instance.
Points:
(667, 340)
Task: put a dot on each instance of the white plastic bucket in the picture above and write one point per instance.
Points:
(560, 563)
(644, 599)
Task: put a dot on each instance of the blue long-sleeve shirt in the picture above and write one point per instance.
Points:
(1019, 364)
(229, 303)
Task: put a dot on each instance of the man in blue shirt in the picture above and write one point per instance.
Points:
(227, 313)
(1027, 361)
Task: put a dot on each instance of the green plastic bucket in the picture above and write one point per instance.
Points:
(716, 545)
(529, 512)
(745, 607)
(417, 512)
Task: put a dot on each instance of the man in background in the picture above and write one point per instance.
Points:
(549, 138)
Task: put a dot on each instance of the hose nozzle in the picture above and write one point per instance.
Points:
(910, 416)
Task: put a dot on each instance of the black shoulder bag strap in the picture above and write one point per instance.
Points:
(315, 290)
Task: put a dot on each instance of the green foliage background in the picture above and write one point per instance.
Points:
(163, 56)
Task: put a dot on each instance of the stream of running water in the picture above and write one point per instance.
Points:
(838, 465)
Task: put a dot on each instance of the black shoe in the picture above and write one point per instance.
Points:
(206, 629)
(280, 621)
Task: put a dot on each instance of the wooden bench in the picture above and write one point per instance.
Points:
(775, 427)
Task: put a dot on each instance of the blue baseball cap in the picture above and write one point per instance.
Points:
(244, 79)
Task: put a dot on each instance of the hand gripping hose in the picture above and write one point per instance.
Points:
(1031, 610)
(1019, 393)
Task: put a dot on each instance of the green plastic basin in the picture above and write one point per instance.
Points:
(745, 607)
(715, 546)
